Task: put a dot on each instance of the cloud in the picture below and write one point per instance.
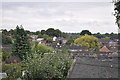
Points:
(57, 0)
(68, 16)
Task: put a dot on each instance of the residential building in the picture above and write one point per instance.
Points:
(104, 49)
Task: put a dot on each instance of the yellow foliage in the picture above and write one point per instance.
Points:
(87, 40)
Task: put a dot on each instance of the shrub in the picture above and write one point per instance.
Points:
(50, 66)
(41, 49)
(5, 55)
(13, 70)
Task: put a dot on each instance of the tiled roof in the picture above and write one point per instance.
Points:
(104, 49)
(104, 40)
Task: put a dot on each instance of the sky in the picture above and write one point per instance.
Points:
(68, 16)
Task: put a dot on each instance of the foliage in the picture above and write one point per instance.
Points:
(88, 41)
(0, 62)
(11, 32)
(50, 31)
(85, 32)
(21, 45)
(45, 36)
(117, 12)
(1, 55)
(70, 40)
(57, 33)
(41, 48)
(51, 66)
(13, 70)
(6, 39)
(49, 40)
(53, 32)
(110, 35)
(64, 35)
(5, 55)
(37, 32)
(5, 32)
(43, 32)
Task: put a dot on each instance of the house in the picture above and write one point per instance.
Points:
(113, 43)
(77, 48)
(113, 55)
(32, 37)
(57, 46)
(54, 38)
(40, 40)
(104, 41)
(104, 49)
(113, 48)
(61, 40)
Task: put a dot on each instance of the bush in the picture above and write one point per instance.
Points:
(5, 55)
(41, 49)
(6, 39)
(50, 66)
(13, 70)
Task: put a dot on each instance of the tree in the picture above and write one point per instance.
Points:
(13, 70)
(43, 32)
(11, 32)
(41, 48)
(6, 39)
(49, 40)
(117, 12)
(70, 40)
(98, 35)
(5, 32)
(57, 33)
(50, 67)
(85, 32)
(64, 35)
(37, 32)
(45, 36)
(50, 32)
(28, 32)
(21, 45)
(87, 40)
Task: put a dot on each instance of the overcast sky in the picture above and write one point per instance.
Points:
(66, 16)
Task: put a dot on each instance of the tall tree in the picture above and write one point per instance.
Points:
(21, 45)
(57, 33)
(37, 32)
(50, 31)
(11, 32)
(85, 32)
(43, 32)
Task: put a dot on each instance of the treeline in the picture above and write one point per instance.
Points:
(7, 35)
(48, 34)
(98, 35)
